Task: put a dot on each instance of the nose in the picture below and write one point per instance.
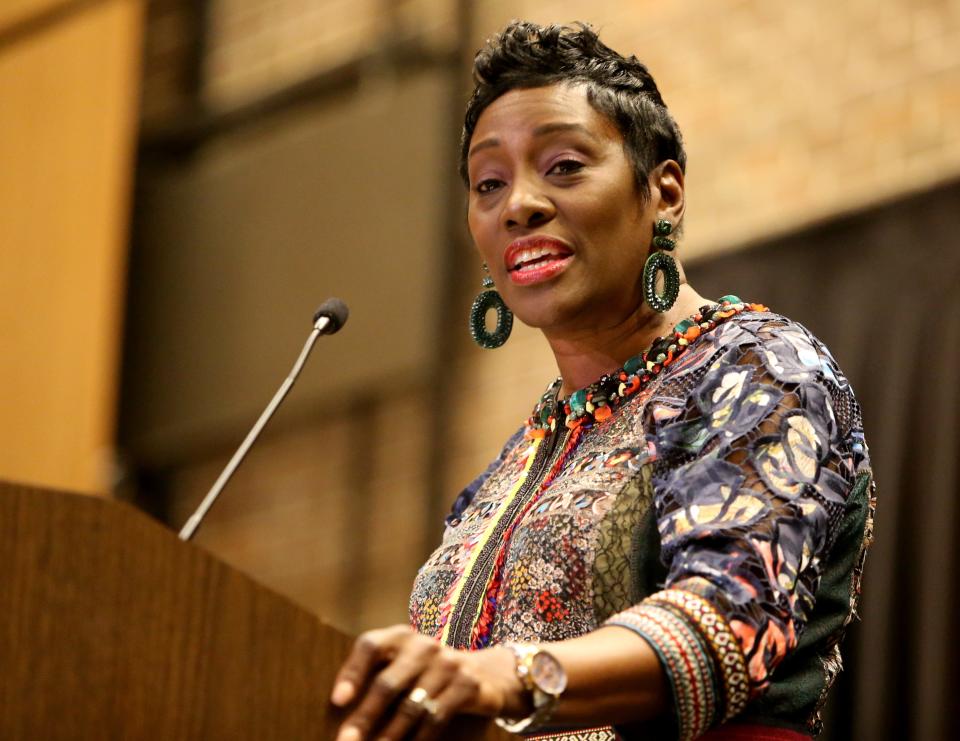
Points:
(527, 206)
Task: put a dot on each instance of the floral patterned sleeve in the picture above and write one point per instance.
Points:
(756, 453)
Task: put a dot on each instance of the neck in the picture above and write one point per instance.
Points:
(583, 356)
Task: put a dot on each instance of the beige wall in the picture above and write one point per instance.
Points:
(792, 112)
(67, 119)
(259, 44)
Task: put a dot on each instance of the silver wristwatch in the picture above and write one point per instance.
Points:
(543, 677)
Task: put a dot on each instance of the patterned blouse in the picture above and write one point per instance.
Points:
(713, 496)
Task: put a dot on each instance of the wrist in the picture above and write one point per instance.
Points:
(543, 681)
(517, 699)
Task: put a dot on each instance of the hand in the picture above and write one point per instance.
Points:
(385, 665)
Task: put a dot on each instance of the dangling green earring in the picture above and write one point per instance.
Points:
(661, 262)
(489, 299)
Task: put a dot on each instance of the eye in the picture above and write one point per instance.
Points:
(566, 167)
(488, 185)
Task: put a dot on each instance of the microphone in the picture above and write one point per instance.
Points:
(328, 319)
(331, 316)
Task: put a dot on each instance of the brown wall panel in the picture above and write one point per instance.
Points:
(66, 140)
(18, 11)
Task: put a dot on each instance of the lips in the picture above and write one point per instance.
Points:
(536, 259)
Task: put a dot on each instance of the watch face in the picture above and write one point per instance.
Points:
(547, 674)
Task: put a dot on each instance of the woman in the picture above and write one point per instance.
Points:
(673, 541)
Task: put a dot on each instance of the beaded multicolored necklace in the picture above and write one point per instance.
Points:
(598, 401)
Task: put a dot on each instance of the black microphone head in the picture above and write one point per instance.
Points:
(335, 311)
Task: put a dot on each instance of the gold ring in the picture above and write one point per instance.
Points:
(421, 698)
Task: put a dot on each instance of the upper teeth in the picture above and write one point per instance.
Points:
(531, 253)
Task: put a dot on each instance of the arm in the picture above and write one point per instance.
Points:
(751, 485)
(612, 677)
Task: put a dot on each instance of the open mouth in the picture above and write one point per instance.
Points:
(527, 260)
(536, 259)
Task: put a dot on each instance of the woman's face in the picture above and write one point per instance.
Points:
(555, 211)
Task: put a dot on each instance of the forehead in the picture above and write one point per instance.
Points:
(521, 110)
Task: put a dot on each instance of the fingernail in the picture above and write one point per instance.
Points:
(342, 694)
(349, 734)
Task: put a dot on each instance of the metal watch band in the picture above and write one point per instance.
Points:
(544, 703)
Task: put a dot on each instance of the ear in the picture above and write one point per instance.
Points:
(667, 191)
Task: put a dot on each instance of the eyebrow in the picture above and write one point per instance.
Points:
(545, 129)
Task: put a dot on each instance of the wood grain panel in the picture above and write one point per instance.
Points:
(111, 623)
(113, 628)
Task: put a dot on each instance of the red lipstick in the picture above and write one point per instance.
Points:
(536, 259)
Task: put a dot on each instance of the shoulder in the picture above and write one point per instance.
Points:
(781, 349)
(758, 371)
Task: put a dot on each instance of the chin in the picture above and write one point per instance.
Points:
(552, 315)
(579, 314)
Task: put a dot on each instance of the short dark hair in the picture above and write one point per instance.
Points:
(527, 55)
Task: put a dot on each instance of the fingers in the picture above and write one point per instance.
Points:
(421, 706)
(460, 693)
(403, 683)
(409, 655)
(369, 650)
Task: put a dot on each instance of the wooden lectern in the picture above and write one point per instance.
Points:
(112, 628)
